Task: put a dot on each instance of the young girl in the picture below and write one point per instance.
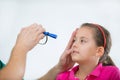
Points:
(90, 49)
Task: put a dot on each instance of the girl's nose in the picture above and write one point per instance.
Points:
(75, 44)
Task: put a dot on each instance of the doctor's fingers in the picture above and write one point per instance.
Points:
(41, 36)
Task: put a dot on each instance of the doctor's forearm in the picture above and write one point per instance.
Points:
(51, 74)
(15, 68)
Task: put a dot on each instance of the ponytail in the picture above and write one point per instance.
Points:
(107, 61)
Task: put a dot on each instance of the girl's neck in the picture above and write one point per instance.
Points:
(85, 70)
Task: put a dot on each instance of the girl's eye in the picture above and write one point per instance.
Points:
(83, 41)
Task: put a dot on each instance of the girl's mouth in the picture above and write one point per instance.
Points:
(75, 52)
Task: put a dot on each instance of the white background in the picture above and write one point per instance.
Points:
(57, 16)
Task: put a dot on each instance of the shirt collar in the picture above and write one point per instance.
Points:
(96, 72)
(72, 73)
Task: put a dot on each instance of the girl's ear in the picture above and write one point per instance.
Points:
(100, 51)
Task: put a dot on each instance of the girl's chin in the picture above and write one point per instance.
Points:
(74, 59)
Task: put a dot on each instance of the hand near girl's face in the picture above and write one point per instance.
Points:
(65, 62)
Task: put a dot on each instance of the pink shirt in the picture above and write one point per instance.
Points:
(99, 73)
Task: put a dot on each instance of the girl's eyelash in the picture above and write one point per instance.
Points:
(81, 40)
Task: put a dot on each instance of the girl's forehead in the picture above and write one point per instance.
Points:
(84, 31)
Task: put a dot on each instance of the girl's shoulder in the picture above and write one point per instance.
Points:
(111, 68)
(112, 71)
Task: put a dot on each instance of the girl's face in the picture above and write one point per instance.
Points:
(84, 46)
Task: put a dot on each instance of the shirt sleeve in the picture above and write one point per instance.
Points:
(1, 65)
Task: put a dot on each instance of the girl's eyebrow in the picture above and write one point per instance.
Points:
(83, 37)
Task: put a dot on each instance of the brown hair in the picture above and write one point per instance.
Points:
(102, 38)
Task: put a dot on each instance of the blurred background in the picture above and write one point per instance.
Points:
(57, 16)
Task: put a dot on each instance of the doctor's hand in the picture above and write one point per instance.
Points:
(29, 37)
